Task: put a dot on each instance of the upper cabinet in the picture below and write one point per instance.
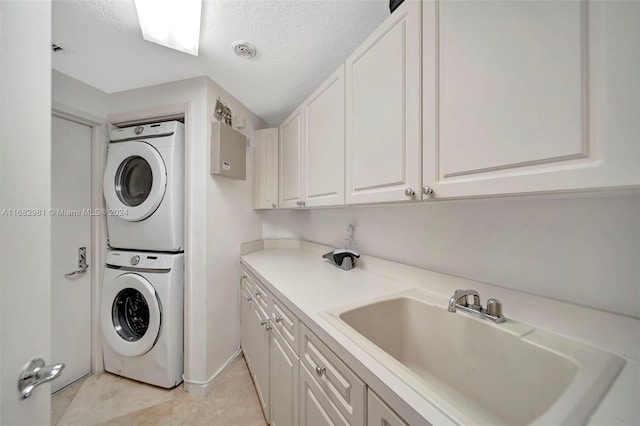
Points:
(266, 169)
(472, 98)
(324, 143)
(518, 97)
(291, 140)
(383, 142)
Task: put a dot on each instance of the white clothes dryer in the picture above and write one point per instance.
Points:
(144, 187)
(142, 316)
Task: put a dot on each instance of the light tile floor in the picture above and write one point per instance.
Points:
(107, 399)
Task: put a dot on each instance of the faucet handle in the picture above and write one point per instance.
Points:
(460, 297)
(494, 308)
(476, 302)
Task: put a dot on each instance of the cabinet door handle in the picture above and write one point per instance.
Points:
(263, 322)
(278, 318)
(257, 293)
(268, 327)
(320, 370)
(427, 190)
(249, 299)
(409, 192)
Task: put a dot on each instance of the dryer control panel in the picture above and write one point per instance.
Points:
(140, 260)
(145, 131)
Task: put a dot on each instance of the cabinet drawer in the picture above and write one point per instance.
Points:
(286, 323)
(262, 296)
(246, 280)
(315, 407)
(380, 414)
(343, 388)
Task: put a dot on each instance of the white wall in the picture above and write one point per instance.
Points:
(231, 221)
(281, 224)
(585, 249)
(25, 175)
(78, 97)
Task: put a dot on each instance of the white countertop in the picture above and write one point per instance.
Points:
(309, 285)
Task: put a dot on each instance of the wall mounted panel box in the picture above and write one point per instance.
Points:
(228, 152)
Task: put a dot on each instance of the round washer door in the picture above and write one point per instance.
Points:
(135, 180)
(130, 315)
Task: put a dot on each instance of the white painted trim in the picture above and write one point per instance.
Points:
(202, 389)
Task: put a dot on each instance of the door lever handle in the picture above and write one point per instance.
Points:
(78, 271)
(36, 373)
(82, 263)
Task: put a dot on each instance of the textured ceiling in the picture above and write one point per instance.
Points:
(299, 43)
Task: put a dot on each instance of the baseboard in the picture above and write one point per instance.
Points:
(203, 389)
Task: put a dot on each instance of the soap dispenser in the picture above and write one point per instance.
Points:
(342, 258)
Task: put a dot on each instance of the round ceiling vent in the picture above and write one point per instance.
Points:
(244, 50)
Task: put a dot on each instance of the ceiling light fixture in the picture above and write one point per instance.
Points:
(171, 23)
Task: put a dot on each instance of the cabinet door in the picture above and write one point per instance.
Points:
(266, 169)
(524, 108)
(261, 356)
(383, 144)
(380, 414)
(291, 144)
(338, 383)
(316, 408)
(324, 143)
(247, 326)
(283, 382)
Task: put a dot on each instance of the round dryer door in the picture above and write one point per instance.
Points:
(135, 179)
(130, 315)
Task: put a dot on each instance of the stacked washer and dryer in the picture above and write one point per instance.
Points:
(142, 292)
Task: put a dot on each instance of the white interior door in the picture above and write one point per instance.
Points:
(71, 230)
(25, 187)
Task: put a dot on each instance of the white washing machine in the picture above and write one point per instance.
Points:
(144, 187)
(142, 316)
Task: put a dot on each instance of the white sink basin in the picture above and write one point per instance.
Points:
(478, 372)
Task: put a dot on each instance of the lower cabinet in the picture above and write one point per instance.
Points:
(315, 406)
(260, 362)
(339, 387)
(247, 330)
(298, 379)
(380, 414)
(283, 382)
(268, 331)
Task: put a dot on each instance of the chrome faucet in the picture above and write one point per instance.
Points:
(460, 297)
(459, 300)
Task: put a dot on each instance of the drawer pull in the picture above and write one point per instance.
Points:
(268, 327)
(249, 299)
(278, 318)
(320, 370)
(263, 322)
